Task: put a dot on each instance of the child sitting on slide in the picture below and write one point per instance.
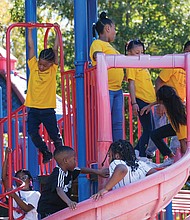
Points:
(124, 167)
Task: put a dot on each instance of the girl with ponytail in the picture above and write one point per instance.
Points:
(105, 29)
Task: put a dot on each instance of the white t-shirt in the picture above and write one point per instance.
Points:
(131, 176)
(29, 197)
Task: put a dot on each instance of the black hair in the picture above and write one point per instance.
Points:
(61, 149)
(186, 45)
(99, 26)
(174, 106)
(26, 172)
(132, 43)
(47, 54)
(126, 152)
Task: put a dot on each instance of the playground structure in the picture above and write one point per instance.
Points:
(145, 198)
(158, 189)
(18, 97)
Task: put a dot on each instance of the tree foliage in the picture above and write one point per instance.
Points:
(5, 19)
(163, 25)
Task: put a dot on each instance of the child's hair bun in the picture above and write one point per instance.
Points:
(103, 15)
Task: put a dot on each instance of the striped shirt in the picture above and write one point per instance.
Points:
(50, 202)
(131, 176)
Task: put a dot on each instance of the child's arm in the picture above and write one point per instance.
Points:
(56, 46)
(95, 54)
(24, 206)
(151, 171)
(18, 200)
(161, 110)
(31, 52)
(65, 198)
(133, 97)
(158, 83)
(4, 168)
(119, 173)
(101, 172)
(147, 108)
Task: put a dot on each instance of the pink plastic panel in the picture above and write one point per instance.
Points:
(140, 200)
(145, 198)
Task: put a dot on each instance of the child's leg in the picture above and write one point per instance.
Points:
(147, 123)
(116, 105)
(159, 121)
(34, 122)
(50, 122)
(159, 134)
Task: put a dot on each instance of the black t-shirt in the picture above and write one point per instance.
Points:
(49, 201)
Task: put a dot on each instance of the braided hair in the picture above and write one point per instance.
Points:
(173, 104)
(126, 152)
(26, 172)
(47, 54)
(99, 26)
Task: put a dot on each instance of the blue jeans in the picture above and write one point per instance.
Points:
(147, 122)
(116, 106)
(48, 118)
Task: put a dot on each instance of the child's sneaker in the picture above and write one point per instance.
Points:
(150, 155)
(47, 156)
(167, 162)
(137, 153)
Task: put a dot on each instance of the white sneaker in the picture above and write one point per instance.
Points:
(150, 155)
(137, 153)
(167, 162)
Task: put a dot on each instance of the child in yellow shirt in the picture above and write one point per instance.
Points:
(142, 93)
(106, 31)
(41, 96)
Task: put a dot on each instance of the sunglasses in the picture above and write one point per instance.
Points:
(24, 178)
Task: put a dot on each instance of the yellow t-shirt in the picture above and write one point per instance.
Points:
(144, 88)
(182, 134)
(175, 78)
(41, 92)
(115, 75)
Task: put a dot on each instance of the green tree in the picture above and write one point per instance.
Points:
(4, 21)
(162, 25)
